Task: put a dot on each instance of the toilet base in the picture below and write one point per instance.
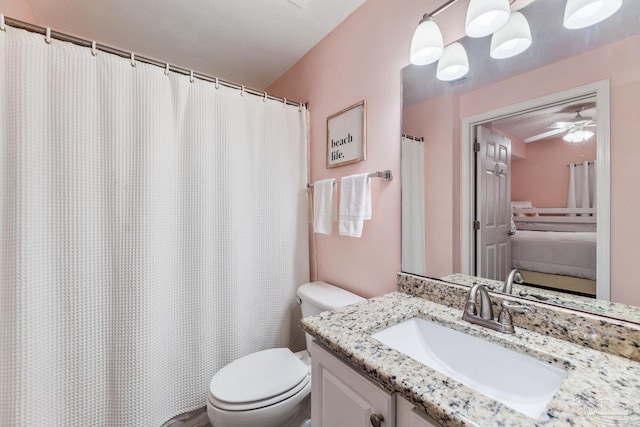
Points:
(301, 418)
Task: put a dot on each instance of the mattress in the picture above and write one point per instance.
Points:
(555, 252)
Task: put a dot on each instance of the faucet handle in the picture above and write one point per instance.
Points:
(504, 318)
(516, 307)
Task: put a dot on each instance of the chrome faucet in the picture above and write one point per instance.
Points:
(480, 312)
(514, 277)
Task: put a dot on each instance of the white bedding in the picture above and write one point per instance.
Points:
(553, 252)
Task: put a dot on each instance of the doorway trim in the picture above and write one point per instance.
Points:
(601, 90)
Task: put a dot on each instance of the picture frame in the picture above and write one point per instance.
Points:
(346, 136)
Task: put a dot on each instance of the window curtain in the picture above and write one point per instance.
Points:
(413, 210)
(582, 185)
(153, 229)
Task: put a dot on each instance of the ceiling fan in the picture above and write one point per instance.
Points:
(576, 130)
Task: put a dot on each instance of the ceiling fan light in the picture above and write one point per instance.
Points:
(485, 17)
(453, 64)
(583, 13)
(427, 44)
(578, 135)
(512, 39)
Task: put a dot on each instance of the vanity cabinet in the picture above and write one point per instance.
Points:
(342, 397)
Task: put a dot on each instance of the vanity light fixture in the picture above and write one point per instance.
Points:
(583, 13)
(484, 17)
(427, 44)
(578, 134)
(512, 39)
(453, 64)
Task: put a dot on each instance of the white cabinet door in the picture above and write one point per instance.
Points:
(408, 416)
(341, 397)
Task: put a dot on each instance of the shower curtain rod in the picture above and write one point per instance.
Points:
(48, 33)
(386, 175)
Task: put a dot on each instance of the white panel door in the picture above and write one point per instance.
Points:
(493, 205)
(341, 397)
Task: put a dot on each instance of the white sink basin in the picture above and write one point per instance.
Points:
(518, 381)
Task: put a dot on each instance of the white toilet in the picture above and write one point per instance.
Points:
(271, 388)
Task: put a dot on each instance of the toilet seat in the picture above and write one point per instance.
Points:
(258, 380)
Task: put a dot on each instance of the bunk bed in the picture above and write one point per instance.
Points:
(555, 248)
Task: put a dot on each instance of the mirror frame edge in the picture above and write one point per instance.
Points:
(599, 89)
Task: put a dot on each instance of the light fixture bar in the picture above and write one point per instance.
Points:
(442, 8)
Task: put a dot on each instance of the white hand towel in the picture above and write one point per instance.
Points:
(355, 204)
(324, 206)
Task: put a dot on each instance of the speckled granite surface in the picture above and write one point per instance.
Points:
(600, 389)
(596, 332)
(605, 308)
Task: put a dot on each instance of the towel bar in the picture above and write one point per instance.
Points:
(386, 175)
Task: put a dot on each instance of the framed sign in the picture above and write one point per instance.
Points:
(346, 139)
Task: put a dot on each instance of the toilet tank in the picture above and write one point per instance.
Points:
(316, 297)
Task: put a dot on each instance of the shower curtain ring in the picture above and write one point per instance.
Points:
(166, 69)
(133, 59)
(217, 85)
(284, 102)
(94, 49)
(300, 107)
(242, 91)
(47, 37)
(191, 78)
(3, 27)
(265, 97)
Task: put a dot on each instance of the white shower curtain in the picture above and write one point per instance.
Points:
(582, 185)
(413, 210)
(153, 229)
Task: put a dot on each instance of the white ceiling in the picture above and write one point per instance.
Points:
(251, 42)
(525, 125)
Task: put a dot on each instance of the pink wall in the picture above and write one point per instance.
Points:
(18, 9)
(543, 176)
(360, 59)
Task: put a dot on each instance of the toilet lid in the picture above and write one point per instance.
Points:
(258, 376)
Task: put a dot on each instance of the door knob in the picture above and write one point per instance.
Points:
(376, 420)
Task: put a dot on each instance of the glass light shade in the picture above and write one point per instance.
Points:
(485, 17)
(427, 44)
(454, 63)
(579, 135)
(582, 13)
(512, 39)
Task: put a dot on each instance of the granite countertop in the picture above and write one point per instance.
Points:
(600, 389)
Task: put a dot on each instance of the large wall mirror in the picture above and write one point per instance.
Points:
(506, 178)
